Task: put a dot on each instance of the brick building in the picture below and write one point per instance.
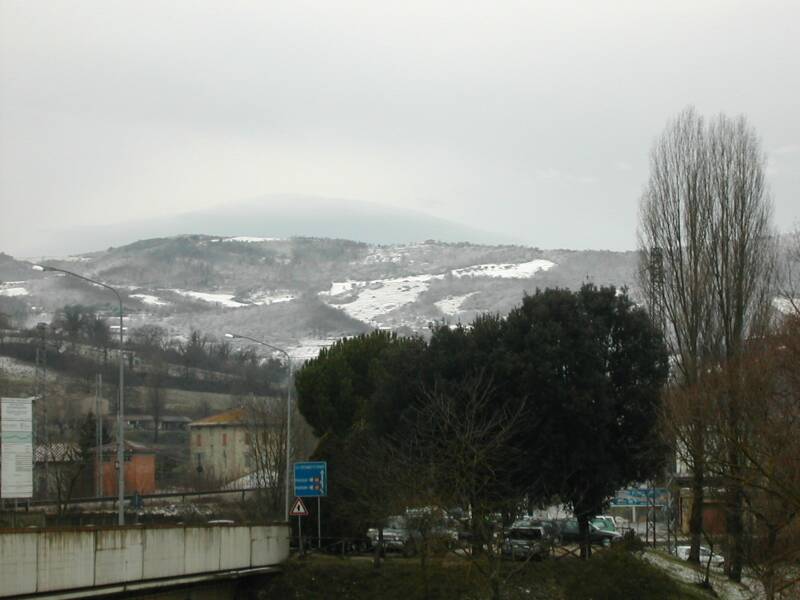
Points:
(140, 469)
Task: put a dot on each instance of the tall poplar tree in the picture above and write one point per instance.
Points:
(708, 265)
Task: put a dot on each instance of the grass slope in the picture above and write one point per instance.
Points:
(607, 576)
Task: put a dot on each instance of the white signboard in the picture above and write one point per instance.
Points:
(16, 446)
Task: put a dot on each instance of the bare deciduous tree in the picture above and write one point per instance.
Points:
(708, 257)
(462, 444)
(767, 469)
(266, 434)
(674, 222)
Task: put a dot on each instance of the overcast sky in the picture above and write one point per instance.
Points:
(532, 119)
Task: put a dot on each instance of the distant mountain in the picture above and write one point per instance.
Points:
(304, 292)
(276, 216)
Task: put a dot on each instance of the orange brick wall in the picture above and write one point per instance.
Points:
(140, 475)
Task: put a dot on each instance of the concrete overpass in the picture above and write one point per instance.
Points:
(64, 563)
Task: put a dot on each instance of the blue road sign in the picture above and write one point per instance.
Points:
(641, 497)
(310, 479)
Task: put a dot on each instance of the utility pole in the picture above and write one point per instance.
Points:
(41, 392)
(98, 453)
(121, 391)
(288, 410)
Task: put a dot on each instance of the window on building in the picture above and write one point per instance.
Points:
(199, 440)
(224, 439)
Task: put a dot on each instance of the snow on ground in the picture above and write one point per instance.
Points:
(249, 239)
(267, 298)
(15, 367)
(376, 298)
(263, 478)
(506, 271)
(223, 299)
(725, 589)
(148, 299)
(13, 291)
(452, 304)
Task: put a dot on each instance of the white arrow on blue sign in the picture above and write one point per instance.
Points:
(311, 479)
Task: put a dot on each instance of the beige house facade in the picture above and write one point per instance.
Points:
(219, 446)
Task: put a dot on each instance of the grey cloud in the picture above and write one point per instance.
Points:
(530, 118)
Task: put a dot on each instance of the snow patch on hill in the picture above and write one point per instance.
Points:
(262, 298)
(226, 300)
(267, 298)
(452, 304)
(371, 299)
(250, 239)
(506, 271)
(12, 288)
(149, 299)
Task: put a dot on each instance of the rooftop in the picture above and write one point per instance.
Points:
(235, 416)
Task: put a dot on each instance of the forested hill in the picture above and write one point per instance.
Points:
(303, 292)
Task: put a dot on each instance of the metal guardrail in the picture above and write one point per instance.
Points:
(130, 498)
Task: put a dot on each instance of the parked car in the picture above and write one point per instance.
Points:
(403, 533)
(396, 534)
(570, 532)
(717, 560)
(551, 528)
(605, 522)
(523, 542)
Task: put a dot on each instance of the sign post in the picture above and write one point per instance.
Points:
(311, 481)
(648, 498)
(299, 510)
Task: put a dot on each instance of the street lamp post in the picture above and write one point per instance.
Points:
(120, 407)
(288, 407)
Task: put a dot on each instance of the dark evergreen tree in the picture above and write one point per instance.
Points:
(592, 366)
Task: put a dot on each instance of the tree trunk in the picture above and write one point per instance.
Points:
(734, 496)
(586, 543)
(735, 528)
(698, 496)
(378, 550)
(477, 526)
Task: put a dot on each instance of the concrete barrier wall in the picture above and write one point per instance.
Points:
(119, 556)
(65, 560)
(48, 560)
(164, 552)
(18, 564)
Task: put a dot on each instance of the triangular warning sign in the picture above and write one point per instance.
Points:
(298, 508)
